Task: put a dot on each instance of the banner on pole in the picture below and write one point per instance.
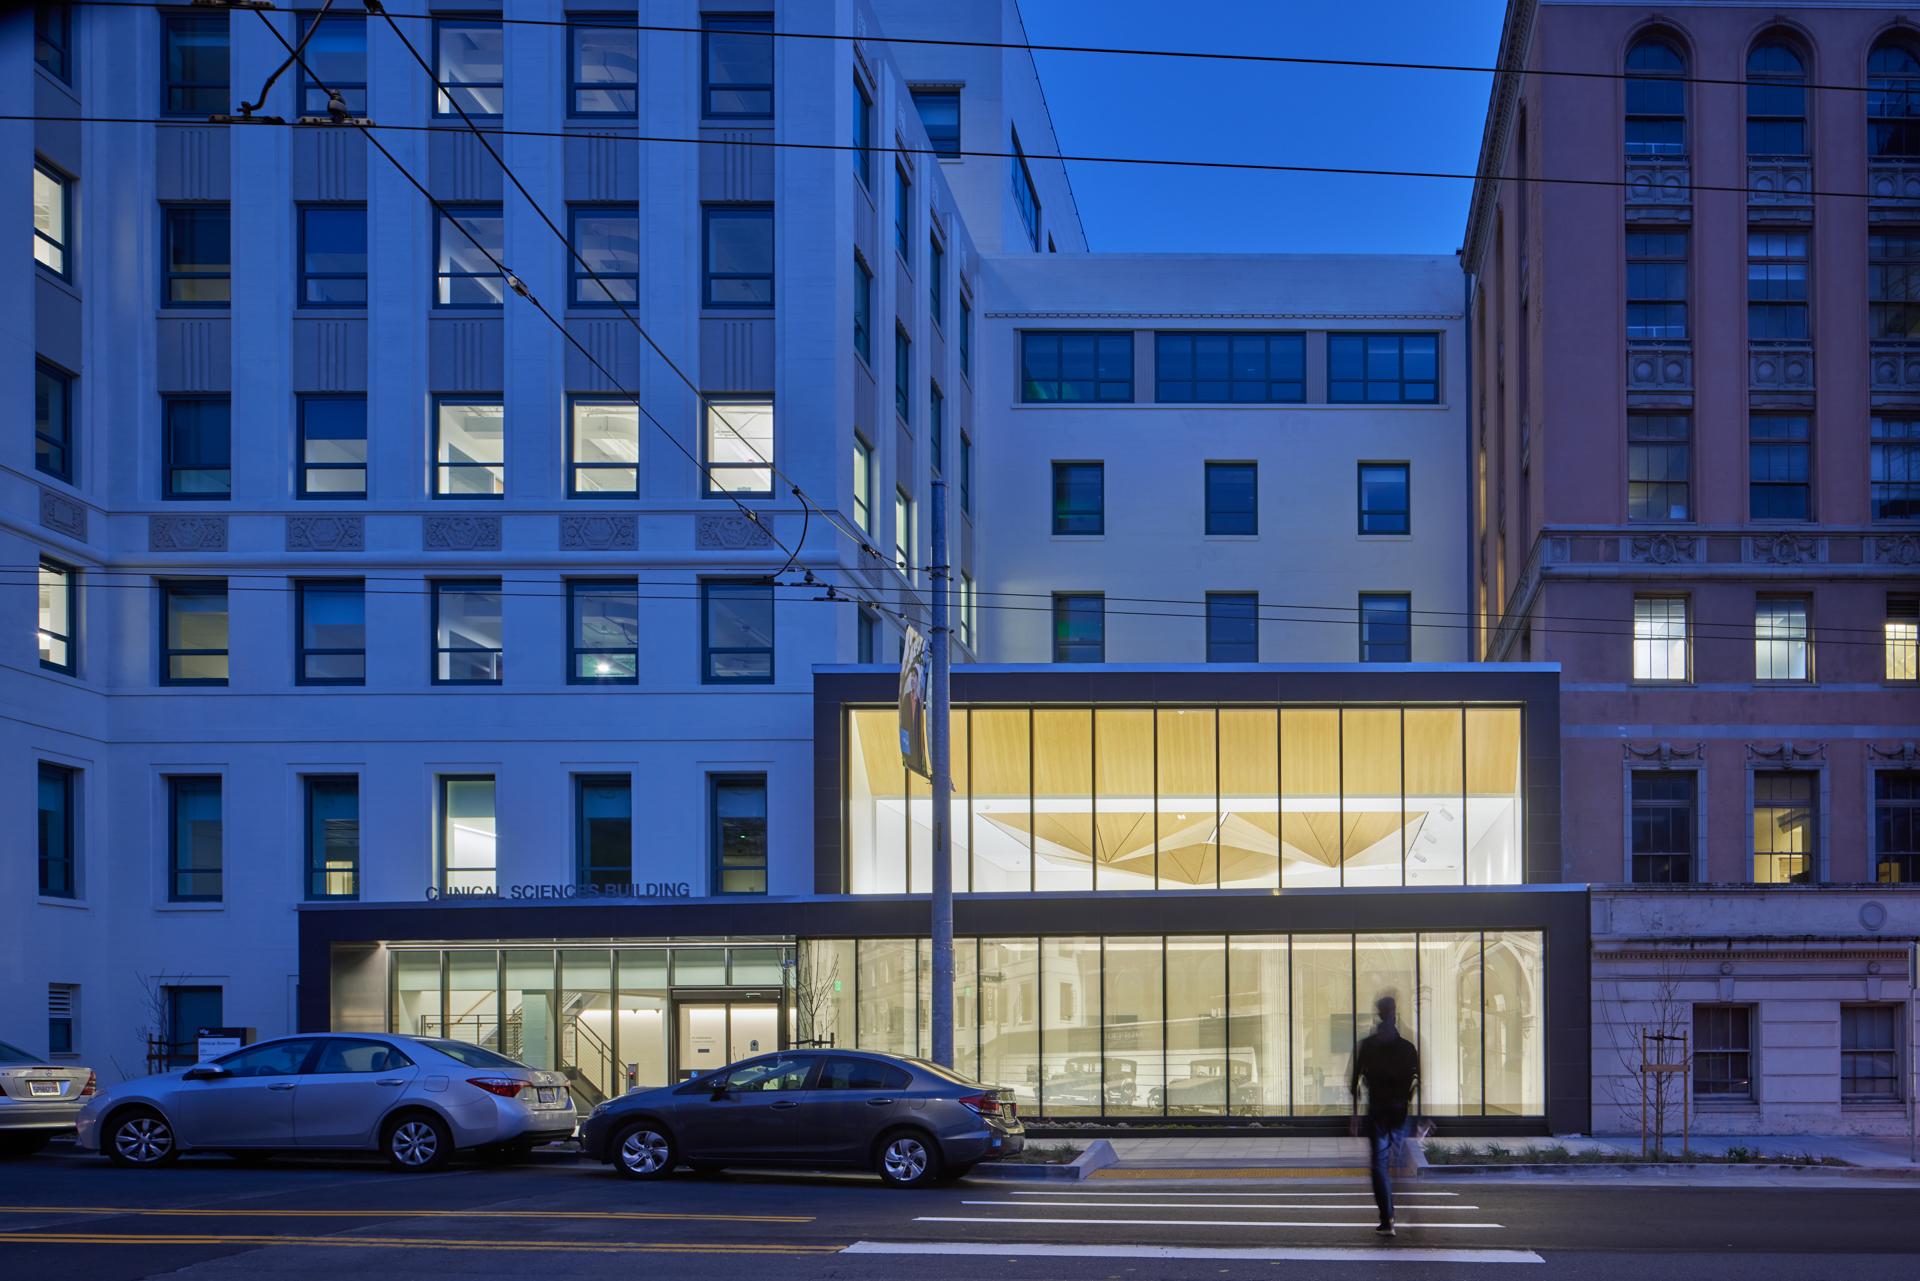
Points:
(915, 680)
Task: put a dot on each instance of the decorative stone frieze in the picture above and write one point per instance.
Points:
(599, 533)
(186, 533)
(326, 533)
(63, 515)
(729, 531)
(461, 533)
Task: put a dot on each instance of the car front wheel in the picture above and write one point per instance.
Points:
(643, 1151)
(417, 1143)
(141, 1139)
(908, 1159)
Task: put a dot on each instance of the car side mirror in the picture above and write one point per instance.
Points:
(204, 1072)
(720, 1091)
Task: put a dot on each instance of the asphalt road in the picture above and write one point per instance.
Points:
(67, 1216)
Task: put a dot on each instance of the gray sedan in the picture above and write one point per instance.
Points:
(37, 1100)
(414, 1100)
(909, 1121)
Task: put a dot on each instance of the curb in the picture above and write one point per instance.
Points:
(1098, 1155)
(1754, 1169)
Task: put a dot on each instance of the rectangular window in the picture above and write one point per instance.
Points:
(1079, 627)
(967, 631)
(336, 51)
(1903, 638)
(1659, 466)
(736, 632)
(1237, 368)
(740, 448)
(739, 831)
(469, 59)
(469, 449)
(469, 853)
(1722, 1052)
(53, 40)
(1656, 286)
(52, 216)
(966, 473)
(197, 254)
(863, 485)
(1785, 831)
(739, 256)
(1233, 498)
(333, 255)
(1663, 826)
(1656, 105)
(603, 632)
(1777, 286)
(1781, 649)
(862, 133)
(940, 117)
(1383, 369)
(608, 240)
(937, 424)
(193, 632)
(605, 449)
(59, 858)
(468, 643)
(333, 836)
(1896, 826)
(1025, 199)
(903, 375)
(903, 532)
(1661, 646)
(737, 54)
(1385, 499)
(58, 632)
(332, 631)
(862, 310)
(53, 421)
(1893, 277)
(903, 215)
(966, 336)
(867, 636)
(189, 1009)
(1079, 498)
(62, 1000)
(199, 449)
(1896, 468)
(193, 65)
(936, 281)
(603, 65)
(1068, 367)
(1386, 627)
(1233, 627)
(333, 447)
(1870, 1053)
(469, 244)
(603, 829)
(195, 857)
(1780, 467)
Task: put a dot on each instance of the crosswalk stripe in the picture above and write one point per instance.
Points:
(1193, 1223)
(1201, 1205)
(1272, 1254)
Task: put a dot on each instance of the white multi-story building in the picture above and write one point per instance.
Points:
(434, 628)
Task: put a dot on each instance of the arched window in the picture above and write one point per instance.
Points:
(1656, 99)
(1776, 102)
(1893, 102)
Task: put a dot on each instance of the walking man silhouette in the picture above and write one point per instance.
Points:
(1390, 1065)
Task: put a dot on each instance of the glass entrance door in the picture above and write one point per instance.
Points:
(711, 1034)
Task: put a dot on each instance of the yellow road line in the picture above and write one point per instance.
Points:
(215, 1213)
(1242, 1172)
(418, 1243)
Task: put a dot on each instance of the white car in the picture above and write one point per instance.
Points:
(413, 1099)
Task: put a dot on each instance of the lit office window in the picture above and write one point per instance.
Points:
(863, 485)
(469, 59)
(53, 421)
(332, 636)
(608, 239)
(862, 310)
(603, 637)
(52, 215)
(903, 532)
(199, 449)
(193, 70)
(1656, 285)
(1895, 465)
(940, 116)
(1656, 100)
(195, 839)
(738, 824)
(736, 635)
(968, 629)
(603, 829)
(1659, 466)
(336, 52)
(606, 449)
(1025, 198)
(1385, 498)
(1776, 286)
(1069, 367)
(1779, 467)
(1233, 627)
(1386, 627)
(1079, 627)
(333, 447)
(1079, 498)
(1722, 1052)
(469, 244)
(469, 833)
(1663, 826)
(197, 255)
(739, 256)
(1785, 827)
(1870, 1053)
(1776, 102)
(59, 856)
(1233, 498)
(333, 255)
(469, 449)
(1660, 649)
(467, 632)
(59, 650)
(1781, 648)
(737, 56)
(603, 65)
(1388, 369)
(193, 636)
(1896, 826)
(1237, 368)
(1903, 638)
(740, 448)
(333, 836)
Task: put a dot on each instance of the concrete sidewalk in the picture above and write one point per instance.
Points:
(1867, 1151)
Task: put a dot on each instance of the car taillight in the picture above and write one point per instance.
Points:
(91, 1087)
(984, 1104)
(505, 1087)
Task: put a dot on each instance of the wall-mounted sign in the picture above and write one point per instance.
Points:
(211, 1042)
(555, 890)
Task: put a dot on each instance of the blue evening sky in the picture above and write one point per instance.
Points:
(1351, 117)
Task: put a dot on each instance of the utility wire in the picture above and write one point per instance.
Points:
(612, 23)
(1248, 166)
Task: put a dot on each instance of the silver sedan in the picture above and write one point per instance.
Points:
(38, 1100)
(415, 1100)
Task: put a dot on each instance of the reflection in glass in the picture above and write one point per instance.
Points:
(1257, 991)
(1383, 965)
(887, 998)
(966, 1007)
(1323, 1023)
(1189, 820)
(1200, 1076)
(1135, 1054)
(1515, 987)
(1063, 798)
(1070, 1017)
(530, 1027)
(586, 1025)
(1449, 1024)
(1009, 1015)
(1123, 806)
(416, 994)
(473, 998)
(823, 992)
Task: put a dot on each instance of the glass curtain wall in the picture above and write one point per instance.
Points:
(1131, 798)
(1204, 1025)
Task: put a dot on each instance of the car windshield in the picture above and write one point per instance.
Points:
(474, 1056)
(14, 1054)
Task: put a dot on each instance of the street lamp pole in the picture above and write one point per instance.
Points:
(939, 759)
